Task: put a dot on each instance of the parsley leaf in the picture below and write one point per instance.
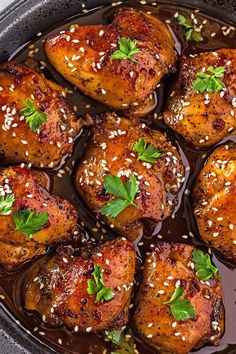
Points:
(190, 29)
(117, 337)
(97, 286)
(127, 50)
(126, 193)
(181, 309)
(35, 117)
(6, 203)
(115, 207)
(29, 222)
(146, 152)
(207, 82)
(202, 263)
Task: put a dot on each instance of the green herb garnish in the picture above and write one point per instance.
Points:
(6, 203)
(146, 152)
(190, 29)
(181, 309)
(35, 117)
(125, 192)
(117, 337)
(97, 286)
(29, 222)
(204, 268)
(127, 50)
(209, 82)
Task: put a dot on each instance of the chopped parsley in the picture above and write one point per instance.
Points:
(6, 203)
(203, 266)
(34, 117)
(209, 80)
(96, 286)
(124, 346)
(126, 194)
(181, 309)
(191, 32)
(127, 50)
(146, 152)
(30, 222)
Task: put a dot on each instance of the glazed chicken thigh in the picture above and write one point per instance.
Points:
(85, 57)
(168, 269)
(155, 182)
(204, 118)
(31, 218)
(59, 292)
(37, 126)
(214, 199)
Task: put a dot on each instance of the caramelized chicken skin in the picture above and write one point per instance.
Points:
(17, 247)
(110, 151)
(59, 291)
(203, 118)
(82, 56)
(165, 267)
(214, 199)
(19, 143)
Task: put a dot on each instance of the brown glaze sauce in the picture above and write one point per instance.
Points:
(181, 228)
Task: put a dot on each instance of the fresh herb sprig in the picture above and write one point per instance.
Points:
(124, 346)
(203, 266)
(126, 194)
(30, 222)
(127, 50)
(209, 80)
(34, 117)
(146, 152)
(6, 203)
(181, 309)
(96, 286)
(190, 30)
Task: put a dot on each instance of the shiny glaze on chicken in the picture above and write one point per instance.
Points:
(167, 266)
(16, 247)
(54, 140)
(59, 291)
(82, 56)
(110, 151)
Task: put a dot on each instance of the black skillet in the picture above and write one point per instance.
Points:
(19, 23)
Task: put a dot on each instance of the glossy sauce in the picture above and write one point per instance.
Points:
(181, 227)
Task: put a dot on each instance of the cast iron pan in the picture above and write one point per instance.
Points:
(19, 23)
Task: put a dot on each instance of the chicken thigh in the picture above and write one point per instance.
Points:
(61, 290)
(126, 151)
(37, 126)
(201, 116)
(31, 218)
(214, 199)
(176, 309)
(93, 57)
